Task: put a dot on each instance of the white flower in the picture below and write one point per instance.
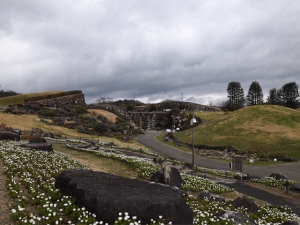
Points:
(13, 210)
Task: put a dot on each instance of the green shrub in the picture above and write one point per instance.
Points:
(80, 109)
(100, 127)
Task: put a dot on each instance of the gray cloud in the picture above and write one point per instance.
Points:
(148, 50)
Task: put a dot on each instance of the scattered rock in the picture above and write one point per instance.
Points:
(245, 202)
(84, 146)
(158, 160)
(94, 148)
(168, 175)
(110, 144)
(5, 135)
(37, 140)
(47, 147)
(240, 177)
(189, 165)
(107, 195)
(278, 176)
(206, 195)
(49, 135)
(238, 218)
(297, 186)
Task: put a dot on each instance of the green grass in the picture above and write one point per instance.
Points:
(19, 99)
(265, 128)
(210, 116)
(106, 165)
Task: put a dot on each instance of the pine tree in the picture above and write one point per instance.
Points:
(275, 97)
(236, 97)
(290, 95)
(255, 95)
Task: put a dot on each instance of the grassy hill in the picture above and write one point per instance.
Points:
(266, 129)
(19, 99)
(110, 116)
(28, 122)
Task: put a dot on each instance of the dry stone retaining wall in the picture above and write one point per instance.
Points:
(77, 99)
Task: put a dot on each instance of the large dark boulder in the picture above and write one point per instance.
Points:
(37, 140)
(158, 160)
(47, 147)
(49, 135)
(238, 218)
(168, 175)
(6, 135)
(106, 195)
(278, 176)
(297, 186)
(245, 202)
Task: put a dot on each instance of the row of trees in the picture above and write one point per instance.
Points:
(287, 95)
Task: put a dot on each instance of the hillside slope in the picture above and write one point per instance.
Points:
(28, 122)
(19, 99)
(264, 128)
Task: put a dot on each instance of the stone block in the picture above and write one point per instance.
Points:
(106, 195)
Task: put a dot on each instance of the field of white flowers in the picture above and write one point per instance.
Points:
(31, 177)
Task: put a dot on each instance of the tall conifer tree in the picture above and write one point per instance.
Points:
(236, 97)
(290, 95)
(255, 95)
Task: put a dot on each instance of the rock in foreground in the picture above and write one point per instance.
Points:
(6, 135)
(47, 147)
(106, 195)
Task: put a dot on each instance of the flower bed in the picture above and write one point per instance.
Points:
(30, 182)
(272, 182)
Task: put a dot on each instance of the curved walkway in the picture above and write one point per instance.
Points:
(242, 187)
(291, 170)
(266, 196)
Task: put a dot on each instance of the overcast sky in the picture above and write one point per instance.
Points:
(148, 50)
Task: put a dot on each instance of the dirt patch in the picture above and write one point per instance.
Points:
(110, 116)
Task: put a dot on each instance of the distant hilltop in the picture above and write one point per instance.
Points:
(7, 93)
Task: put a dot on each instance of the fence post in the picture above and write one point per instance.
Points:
(287, 186)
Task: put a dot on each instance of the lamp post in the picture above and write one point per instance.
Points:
(193, 120)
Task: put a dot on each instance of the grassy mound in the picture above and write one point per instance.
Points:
(19, 99)
(265, 129)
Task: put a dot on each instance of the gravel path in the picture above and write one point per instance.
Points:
(5, 200)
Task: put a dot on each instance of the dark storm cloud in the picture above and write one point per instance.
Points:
(151, 50)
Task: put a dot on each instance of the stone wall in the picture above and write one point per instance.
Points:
(77, 99)
(149, 120)
(186, 106)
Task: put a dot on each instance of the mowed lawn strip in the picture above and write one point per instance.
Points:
(97, 163)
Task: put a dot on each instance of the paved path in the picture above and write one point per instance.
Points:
(291, 170)
(266, 196)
